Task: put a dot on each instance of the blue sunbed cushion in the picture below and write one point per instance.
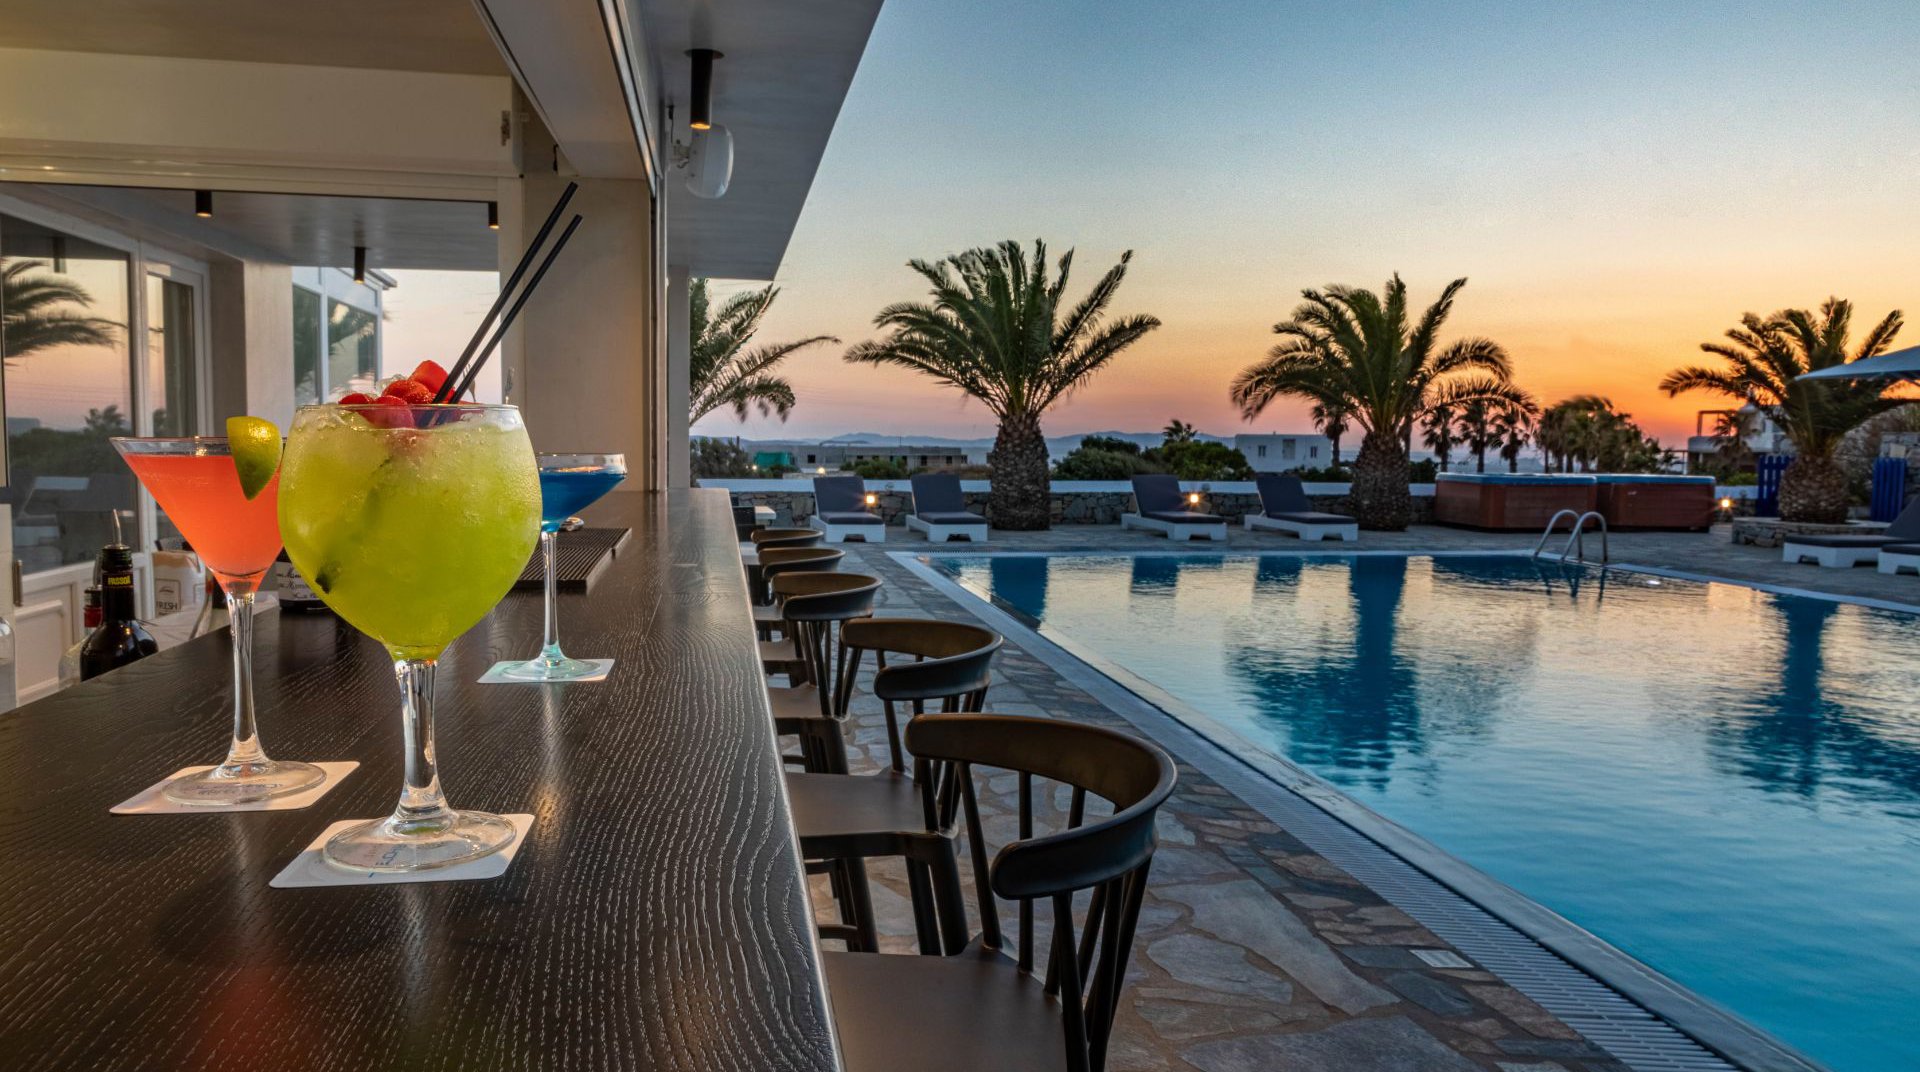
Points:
(1310, 517)
(1902, 548)
(842, 517)
(951, 517)
(1184, 517)
(1841, 541)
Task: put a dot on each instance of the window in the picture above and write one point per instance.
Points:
(337, 342)
(1262, 449)
(1313, 452)
(1286, 449)
(68, 368)
(173, 365)
(309, 338)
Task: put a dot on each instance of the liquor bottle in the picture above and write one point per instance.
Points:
(70, 661)
(120, 639)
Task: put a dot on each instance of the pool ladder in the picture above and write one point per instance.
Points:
(1576, 542)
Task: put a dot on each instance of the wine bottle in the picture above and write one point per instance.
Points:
(90, 620)
(120, 638)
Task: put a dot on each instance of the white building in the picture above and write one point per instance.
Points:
(1282, 452)
(214, 174)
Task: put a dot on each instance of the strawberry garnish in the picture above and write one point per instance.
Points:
(356, 399)
(387, 414)
(429, 374)
(409, 392)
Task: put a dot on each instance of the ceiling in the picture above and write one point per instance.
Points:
(312, 230)
(441, 36)
(778, 88)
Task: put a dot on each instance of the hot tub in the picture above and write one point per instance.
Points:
(1510, 502)
(1656, 501)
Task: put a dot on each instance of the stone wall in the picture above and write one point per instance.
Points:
(793, 507)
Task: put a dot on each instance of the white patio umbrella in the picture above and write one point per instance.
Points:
(1898, 365)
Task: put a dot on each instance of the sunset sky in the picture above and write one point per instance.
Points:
(1618, 182)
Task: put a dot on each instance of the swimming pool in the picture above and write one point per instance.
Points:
(1720, 781)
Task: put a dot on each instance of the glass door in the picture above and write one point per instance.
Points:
(172, 388)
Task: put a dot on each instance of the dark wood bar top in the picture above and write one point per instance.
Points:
(656, 918)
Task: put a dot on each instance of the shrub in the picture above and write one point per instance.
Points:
(880, 469)
(1097, 464)
(1199, 459)
(718, 459)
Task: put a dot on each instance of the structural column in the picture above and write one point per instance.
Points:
(679, 378)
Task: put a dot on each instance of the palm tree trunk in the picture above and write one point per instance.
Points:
(1335, 441)
(1380, 498)
(1813, 489)
(1480, 460)
(1020, 498)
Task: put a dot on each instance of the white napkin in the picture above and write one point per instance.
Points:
(497, 675)
(150, 801)
(309, 869)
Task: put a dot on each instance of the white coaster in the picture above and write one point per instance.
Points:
(309, 869)
(498, 674)
(149, 801)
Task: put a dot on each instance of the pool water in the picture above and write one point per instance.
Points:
(1722, 782)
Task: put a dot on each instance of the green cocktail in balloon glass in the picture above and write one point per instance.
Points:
(411, 522)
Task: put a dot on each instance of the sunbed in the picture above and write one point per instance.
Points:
(1284, 507)
(1843, 550)
(1163, 509)
(940, 510)
(840, 510)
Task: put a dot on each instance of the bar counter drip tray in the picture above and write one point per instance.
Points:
(578, 560)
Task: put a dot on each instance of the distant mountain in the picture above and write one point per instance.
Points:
(1062, 445)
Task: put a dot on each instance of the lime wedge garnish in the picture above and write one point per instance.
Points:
(255, 444)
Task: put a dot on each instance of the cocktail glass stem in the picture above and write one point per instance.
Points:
(247, 775)
(422, 806)
(423, 832)
(245, 748)
(550, 652)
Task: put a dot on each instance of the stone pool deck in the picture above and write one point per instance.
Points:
(1254, 952)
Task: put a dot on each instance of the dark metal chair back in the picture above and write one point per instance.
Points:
(813, 605)
(777, 560)
(766, 538)
(947, 664)
(1110, 856)
(744, 522)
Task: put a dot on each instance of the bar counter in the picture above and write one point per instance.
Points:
(655, 918)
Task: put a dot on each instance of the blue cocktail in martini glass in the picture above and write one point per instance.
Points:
(569, 483)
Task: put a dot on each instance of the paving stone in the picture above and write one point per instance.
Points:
(1179, 1021)
(1173, 863)
(1216, 965)
(1521, 1010)
(1317, 900)
(1246, 915)
(1388, 1044)
(1439, 998)
(1563, 1048)
(1510, 1066)
(1383, 956)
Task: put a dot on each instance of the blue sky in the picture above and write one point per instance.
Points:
(1618, 181)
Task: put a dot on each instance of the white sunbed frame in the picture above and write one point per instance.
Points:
(839, 533)
(1338, 530)
(1174, 530)
(974, 532)
(1895, 561)
(1830, 557)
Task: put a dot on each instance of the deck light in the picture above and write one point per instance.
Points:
(203, 203)
(493, 215)
(822, 470)
(700, 110)
(1726, 503)
(872, 498)
(359, 264)
(1193, 498)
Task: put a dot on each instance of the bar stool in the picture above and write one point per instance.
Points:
(843, 819)
(777, 560)
(744, 523)
(767, 539)
(983, 1008)
(812, 605)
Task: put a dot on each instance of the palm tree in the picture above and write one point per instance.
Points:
(1762, 361)
(30, 315)
(1333, 419)
(997, 329)
(1179, 431)
(723, 372)
(1439, 436)
(1513, 428)
(1355, 349)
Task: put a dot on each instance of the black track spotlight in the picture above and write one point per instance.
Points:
(359, 264)
(203, 203)
(700, 112)
(493, 215)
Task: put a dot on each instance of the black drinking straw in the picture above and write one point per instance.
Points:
(526, 258)
(514, 310)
